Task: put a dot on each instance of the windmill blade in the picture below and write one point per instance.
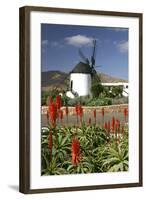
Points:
(83, 56)
(93, 71)
(93, 53)
(94, 48)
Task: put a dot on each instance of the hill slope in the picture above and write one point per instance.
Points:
(51, 79)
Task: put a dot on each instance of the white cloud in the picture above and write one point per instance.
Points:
(79, 40)
(54, 43)
(122, 46)
(45, 42)
(118, 29)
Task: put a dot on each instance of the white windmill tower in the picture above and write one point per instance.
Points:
(80, 79)
(81, 75)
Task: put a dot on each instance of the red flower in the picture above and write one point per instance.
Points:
(58, 102)
(79, 112)
(106, 126)
(89, 121)
(123, 130)
(125, 113)
(94, 113)
(60, 114)
(66, 110)
(109, 126)
(113, 124)
(50, 100)
(75, 151)
(117, 125)
(52, 113)
(102, 111)
(50, 143)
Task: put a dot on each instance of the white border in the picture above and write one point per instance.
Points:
(132, 176)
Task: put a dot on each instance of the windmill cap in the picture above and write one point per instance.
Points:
(82, 68)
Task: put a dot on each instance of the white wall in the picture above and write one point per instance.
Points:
(81, 83)
(9, 61)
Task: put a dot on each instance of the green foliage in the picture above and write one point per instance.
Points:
(99, 102)
(53, 94)
(112, 92)
(117, 91)
(115, 159)
(45, 96)
(96, 89)
(98, 153)
(65, 100)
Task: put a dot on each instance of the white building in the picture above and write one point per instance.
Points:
(124, 85)
(80, 80)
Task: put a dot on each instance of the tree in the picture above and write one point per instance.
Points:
(96, 89)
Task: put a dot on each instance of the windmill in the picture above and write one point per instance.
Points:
(82, 74)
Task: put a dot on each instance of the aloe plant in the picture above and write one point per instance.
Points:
(97, 153)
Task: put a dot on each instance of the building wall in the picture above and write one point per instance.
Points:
(81, 83)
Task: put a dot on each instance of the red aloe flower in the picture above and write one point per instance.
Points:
(94, 113)
(117, 125)
(106, 126)
(58, 102)
(89, 121)
(123, 130)
(113, 124)
(60, 114)
(102, 111)
(66, 110)
(109, 126)
(52, 113)
(125, 113)
(50, 143)
(80, 111)
(75, 151)
(50, 101)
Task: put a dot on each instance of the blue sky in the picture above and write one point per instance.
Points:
(60, 45)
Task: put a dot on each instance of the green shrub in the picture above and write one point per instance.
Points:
(99, 102)
(96, 89)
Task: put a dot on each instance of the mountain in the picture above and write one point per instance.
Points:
(109, 79)
(58, 79)
(51, 79)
